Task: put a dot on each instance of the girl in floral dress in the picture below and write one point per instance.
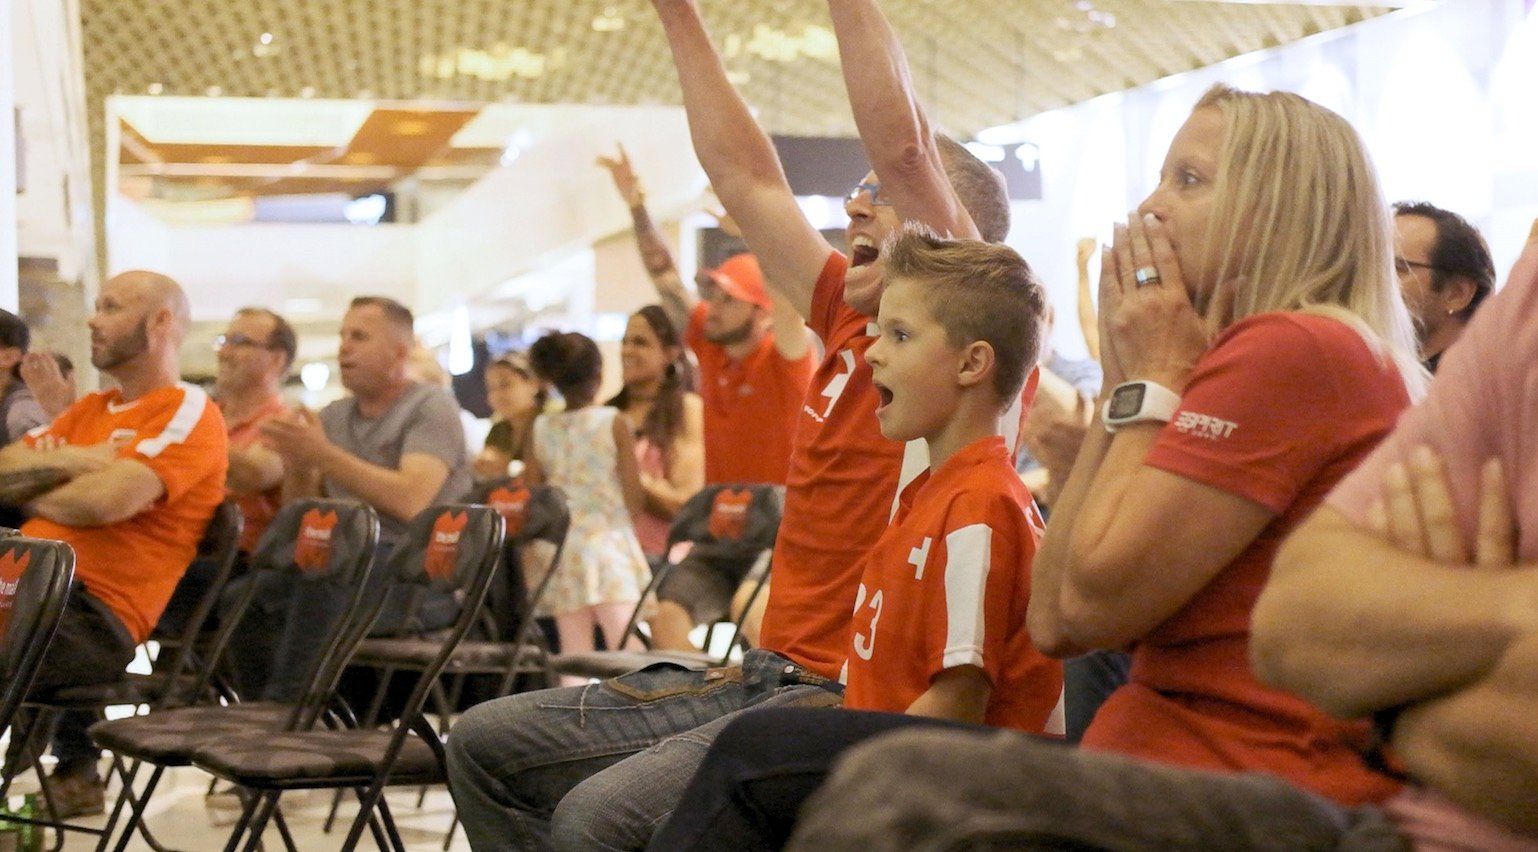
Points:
(588, 451)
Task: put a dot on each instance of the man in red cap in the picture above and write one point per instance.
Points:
(755, 365)
(755, 358)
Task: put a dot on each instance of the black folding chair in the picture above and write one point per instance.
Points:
(180, 676)
(184, 667)
(510, 644)
(531, 514)
(447, 547)
(324, 544)
(35, 577)
(730, 520)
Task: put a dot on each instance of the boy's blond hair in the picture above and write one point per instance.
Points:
(976, 291)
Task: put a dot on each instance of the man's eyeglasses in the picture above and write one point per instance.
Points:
(872, 187)
(224, 340)
(1403, 267)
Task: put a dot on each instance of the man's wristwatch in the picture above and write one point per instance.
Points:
(1138, 402)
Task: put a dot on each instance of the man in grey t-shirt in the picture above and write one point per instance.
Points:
(394, 444)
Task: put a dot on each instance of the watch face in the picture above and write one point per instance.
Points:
(1126, 401)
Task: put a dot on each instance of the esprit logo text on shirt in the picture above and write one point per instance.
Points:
(729, 514)
(1204, 425)
(11, 568)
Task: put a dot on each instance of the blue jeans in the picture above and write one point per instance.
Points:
(601, 766)
(931, 789)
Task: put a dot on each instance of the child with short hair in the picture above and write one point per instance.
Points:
(939, 621)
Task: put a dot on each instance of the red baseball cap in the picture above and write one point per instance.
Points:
(741, 278)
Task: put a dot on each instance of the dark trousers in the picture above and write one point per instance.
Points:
(91, 647)
(760, 770)
(1087, 682)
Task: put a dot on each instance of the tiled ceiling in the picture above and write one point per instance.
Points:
(978, 63)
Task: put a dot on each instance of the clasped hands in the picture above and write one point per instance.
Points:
(1149, 327)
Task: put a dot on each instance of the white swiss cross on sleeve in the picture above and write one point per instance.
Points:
(918, 556)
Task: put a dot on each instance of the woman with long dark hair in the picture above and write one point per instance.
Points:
(659, 398)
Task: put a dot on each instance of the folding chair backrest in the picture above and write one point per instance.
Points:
(35, 577)
(532, 513)
(219, 546)
(723, 521)
(730, 519)
(331, 543)
(448, 547)
(320, 539)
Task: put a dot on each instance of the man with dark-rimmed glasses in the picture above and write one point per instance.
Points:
(254, 352)
(1444, 270)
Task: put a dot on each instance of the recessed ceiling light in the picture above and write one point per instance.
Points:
(266, 38)
(156, 88)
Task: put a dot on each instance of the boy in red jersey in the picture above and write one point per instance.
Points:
(939, 625)
(939, 620)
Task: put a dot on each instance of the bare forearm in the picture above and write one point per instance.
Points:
(253, 470)
(1045, 613)
(1391, 627)
(735, 153)
(392, 492)
(659, 266)
(107, 496)
(1479, 746)
(897, 137)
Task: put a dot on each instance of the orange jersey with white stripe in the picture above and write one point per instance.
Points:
(133, 566)
(947, 585)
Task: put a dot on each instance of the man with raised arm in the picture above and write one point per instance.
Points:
(755, 362)
(142, 469)
(600, 766)
(754, 355)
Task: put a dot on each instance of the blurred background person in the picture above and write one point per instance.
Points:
(516, 396)
(19, 409)
(1445, 272)
(658, 398)
(588, 451)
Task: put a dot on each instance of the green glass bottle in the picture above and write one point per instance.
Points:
(30, 836)
(10, 832)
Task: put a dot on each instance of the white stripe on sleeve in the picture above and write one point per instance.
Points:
(968, 556)
(187, 415)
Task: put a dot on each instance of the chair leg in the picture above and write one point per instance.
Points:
(283, 832)
(368, 803)
(383, 808)
(448, 837)
(248, 807)
(336, 803)
(136, 806)
(266, 806)
(124, 796)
